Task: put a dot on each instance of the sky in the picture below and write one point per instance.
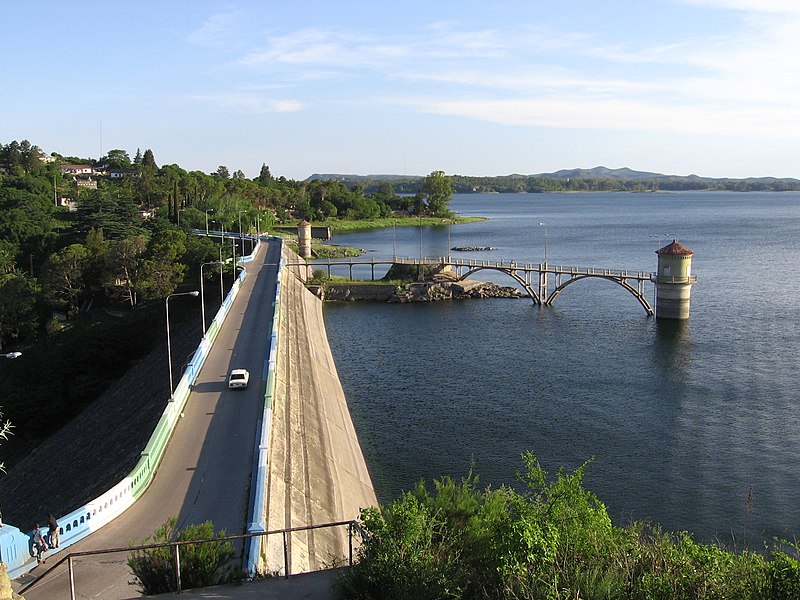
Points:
(706, 87)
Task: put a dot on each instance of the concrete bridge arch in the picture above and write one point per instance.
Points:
(635, 292)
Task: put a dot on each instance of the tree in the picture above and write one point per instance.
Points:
(18, 319)
(264, 176)
(117, 159)
(162, 269)
(137, 160)
(148, 160)
(438, 190)
(239, 174)
(222, 172)
(124, 266)
(8, 256)
(62, 277)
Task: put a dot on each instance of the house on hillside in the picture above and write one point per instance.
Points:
(121, 173)
(77, 170)
(85, 183)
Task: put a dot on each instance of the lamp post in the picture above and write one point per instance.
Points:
(221, 282)
(208, 211)
(11, 355)
(202, 293)
(169, 348)
(545, 242)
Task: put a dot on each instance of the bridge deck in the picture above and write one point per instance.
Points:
(543, 291)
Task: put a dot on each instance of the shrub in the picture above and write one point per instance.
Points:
(553, 541)
(202, 564)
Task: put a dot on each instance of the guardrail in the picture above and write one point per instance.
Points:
(353, 527)
(16, 546)
(257, 522)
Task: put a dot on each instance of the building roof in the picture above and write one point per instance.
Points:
(675, 249)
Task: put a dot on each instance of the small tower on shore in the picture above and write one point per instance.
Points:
(304, 238)
(674, 281)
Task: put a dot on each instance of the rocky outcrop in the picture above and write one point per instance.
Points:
(432, 291)
(423, 291)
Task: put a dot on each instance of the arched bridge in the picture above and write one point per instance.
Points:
(542, 282)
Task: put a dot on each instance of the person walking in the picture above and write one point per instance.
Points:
(39, 544)
(53, 533)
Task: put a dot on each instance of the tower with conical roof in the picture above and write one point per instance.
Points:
(674, 281)
(304, 238)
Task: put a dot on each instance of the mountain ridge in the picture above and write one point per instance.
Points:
(599, 172)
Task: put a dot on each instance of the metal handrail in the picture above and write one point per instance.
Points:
(351, 526)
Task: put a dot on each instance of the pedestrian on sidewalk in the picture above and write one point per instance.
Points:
(39, 543)
(53, 533)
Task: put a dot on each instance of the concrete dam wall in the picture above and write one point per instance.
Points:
(317, 472)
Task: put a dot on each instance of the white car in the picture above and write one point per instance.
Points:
(238, 379)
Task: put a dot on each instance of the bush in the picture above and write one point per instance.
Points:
(552, 541)
(202, 565)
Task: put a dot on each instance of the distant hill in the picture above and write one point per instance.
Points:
(595, 179)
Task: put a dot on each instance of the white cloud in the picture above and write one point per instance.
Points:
(249, 102)
(576, 113)
(738, 80)
(754, 6)
(217, 30)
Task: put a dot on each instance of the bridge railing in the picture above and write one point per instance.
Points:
(355, 536)
(516, 265)
(257, 522)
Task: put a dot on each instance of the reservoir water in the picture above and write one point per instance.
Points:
(692, 425)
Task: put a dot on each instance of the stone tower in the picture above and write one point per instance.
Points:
(674, 281)
(304, 238)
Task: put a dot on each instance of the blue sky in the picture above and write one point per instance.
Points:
(710, 87)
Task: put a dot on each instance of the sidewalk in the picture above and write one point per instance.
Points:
(317, 585)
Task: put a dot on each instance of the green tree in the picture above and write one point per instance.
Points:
(96, 262)
(149, 160)
(124, 265)
(438, 191)
(264, 177)
(116, 159)
(62, 277)
(162, 270)
(18, 318)
(8, 256)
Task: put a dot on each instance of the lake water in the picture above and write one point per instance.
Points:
(684, 420)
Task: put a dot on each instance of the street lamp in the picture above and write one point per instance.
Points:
(545, 242)
(11, 355)
(194, 293)
(208, 211)
(202, 294)
(221, 282)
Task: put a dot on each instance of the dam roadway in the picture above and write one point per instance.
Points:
(316, 469)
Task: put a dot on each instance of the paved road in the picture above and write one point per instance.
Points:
(205, 474)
